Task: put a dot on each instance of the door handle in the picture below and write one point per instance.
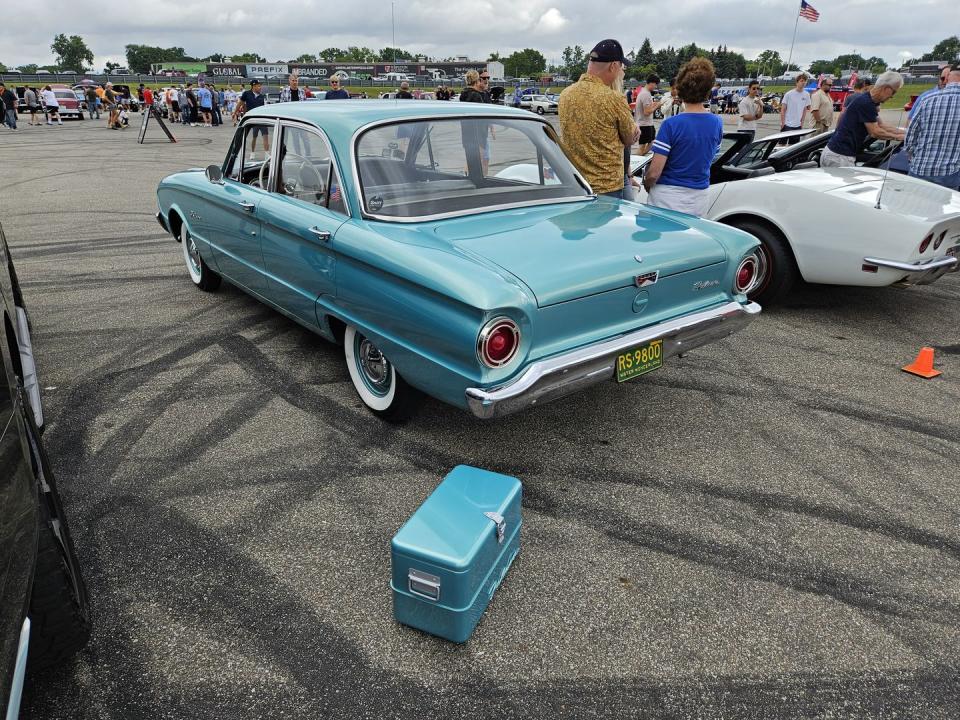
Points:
(248, 206)
(321, 235)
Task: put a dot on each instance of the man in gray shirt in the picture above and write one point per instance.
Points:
(644, 110)
(33, 104)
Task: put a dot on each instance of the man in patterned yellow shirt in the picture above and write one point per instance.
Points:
(595, 120)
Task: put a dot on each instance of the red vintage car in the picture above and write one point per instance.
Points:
(67, 99)
(839, 95)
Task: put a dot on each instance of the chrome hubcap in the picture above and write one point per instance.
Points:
(763, 267)
(374, 366)
(194, 253)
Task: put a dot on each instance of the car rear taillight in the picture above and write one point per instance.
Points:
(498, 342)
(939, 241)
(746, 273)
(926, 243)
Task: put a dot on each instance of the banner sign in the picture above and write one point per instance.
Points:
(265, 71)
(238, 71)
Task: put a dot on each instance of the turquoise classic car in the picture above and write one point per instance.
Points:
(453, 250)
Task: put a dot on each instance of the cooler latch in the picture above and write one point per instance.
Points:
(501, 524)
(423, 584)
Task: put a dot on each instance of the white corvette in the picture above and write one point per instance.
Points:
(837, 226)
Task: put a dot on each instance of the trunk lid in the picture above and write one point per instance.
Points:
(567, 252)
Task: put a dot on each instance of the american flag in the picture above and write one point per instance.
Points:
(808, 11)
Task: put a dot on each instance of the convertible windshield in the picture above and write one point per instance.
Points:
(425, 168)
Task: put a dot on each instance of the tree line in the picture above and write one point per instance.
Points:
(72, 53)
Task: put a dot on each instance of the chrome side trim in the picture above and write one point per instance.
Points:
(19, 671)
(921, 273)
(355, 167)
(553, 377)
(31, 383)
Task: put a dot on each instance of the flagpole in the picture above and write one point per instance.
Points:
(796, 25)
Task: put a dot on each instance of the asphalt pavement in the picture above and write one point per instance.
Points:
(766, 528)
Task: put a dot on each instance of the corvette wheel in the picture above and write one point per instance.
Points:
(776, 268)
(539, 110)
(383, 391)
(201, 274)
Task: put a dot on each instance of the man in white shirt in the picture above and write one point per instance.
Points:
(794, 107)
(750, 110)
(821, 108)
(52, 107)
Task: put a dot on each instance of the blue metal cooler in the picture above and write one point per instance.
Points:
(451, 555)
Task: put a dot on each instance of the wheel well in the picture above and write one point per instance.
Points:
(337, 327)
(175, 222)
(14, 347)
(734, 220)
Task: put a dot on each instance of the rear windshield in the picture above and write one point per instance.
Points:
(65, 94)
(433, 167)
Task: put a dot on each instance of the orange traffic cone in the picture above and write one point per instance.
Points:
(923, 365)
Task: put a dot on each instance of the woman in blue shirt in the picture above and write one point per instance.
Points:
(678, 177)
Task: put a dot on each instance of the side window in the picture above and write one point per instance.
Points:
(305, 171)
(249, 157)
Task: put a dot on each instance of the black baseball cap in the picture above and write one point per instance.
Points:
(608, 51)
(255, 82)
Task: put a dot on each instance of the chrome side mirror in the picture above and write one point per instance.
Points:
(214, 174)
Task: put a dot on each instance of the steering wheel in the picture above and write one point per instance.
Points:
(296, 187)
(261, 176)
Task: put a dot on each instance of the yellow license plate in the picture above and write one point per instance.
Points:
(639, 360)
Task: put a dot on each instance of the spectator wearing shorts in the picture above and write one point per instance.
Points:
(794, 108)
(643, 113)
(32, 99)
(205, 103)
(750, 110)
(678, 177)
(51, 105)
(249, 100)
(110, 103)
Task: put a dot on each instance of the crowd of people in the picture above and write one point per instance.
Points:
(598, 131)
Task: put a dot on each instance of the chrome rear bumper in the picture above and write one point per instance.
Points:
(920, 273)
(560, 375)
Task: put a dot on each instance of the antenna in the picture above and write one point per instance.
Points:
(393, 29)
(886, 170)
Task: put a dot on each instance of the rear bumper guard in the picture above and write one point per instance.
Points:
(569, 372)
(919, 273)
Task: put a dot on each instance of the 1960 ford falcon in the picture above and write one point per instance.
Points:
(396, 229)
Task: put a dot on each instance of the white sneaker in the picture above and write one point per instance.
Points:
(49, 122)
(59, 122)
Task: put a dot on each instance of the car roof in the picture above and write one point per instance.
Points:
(341, 118)
(785, 135)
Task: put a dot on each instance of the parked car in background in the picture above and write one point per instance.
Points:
(44, 612)
(69, 104)
(539, 104)
(120, 71)
(398, 230)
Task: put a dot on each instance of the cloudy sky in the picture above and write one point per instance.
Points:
(281, 29)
